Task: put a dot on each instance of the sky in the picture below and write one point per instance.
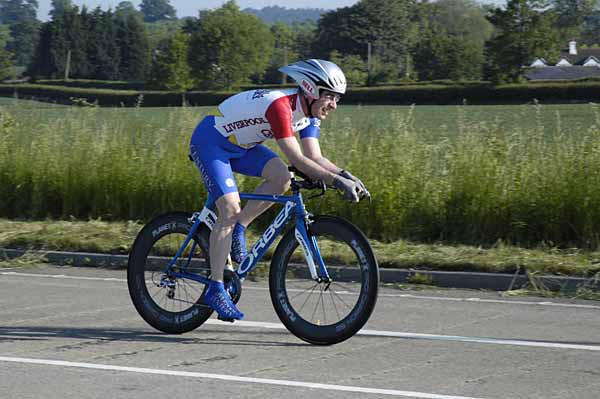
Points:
(187, 8)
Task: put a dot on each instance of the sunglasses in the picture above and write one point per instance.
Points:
(331, 97)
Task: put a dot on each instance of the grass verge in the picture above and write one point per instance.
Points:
(117, 237)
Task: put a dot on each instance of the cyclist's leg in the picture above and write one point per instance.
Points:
(213, 160)
(213, 154)
(216, 296)
(228, 207)
(262, 162)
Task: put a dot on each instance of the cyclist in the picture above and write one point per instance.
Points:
(231, 142)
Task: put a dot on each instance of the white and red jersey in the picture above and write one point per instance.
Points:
(251, 117)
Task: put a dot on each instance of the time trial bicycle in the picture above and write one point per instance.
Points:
(323, 277)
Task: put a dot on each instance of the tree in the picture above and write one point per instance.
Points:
(159, 33)
(170, 69)
(390, 30)
(342, 30)
(526, 31)
(157, 10)
(126, 8)
(384, 24)
(304, 36)
(134, 48)
(451, 40)
(463, 19)
(353, 66)
(14, 11)
(283, 51)
(6, 71)
(442, 56)
(572, 15)
(59, 6)
(103, 52)
(590, 34)
(229, 47)
(39, 65)
(24, 39)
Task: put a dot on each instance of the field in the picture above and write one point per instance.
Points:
(525, 174)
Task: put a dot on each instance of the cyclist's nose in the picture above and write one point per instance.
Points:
(332, 104)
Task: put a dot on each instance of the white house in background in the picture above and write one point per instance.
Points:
(573, 63)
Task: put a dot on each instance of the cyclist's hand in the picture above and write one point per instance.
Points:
(349, 187)
(363, 190)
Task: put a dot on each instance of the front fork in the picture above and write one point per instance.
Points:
(311, 251)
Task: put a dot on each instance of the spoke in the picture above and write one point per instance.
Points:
(340, 298)
(312, 318)
(323, 306)
(183, 285)
(343, 287)
(318, 302)
(302, 292)
(307, 298)
(196, 292)
(180, 301)
(334, 304)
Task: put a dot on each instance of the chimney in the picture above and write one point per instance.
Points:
(573, 47)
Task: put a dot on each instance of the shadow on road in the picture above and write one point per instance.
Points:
(37, 333)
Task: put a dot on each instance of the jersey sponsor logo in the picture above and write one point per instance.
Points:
(230, 127)
(260, 93)
(307, 86)
(267, 133)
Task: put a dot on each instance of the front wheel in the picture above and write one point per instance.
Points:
(319, 312)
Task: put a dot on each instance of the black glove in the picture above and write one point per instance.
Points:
(349, 187)
(363, 192)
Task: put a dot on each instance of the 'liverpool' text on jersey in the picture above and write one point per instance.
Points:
(230, 127)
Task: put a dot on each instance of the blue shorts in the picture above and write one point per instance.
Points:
(217, 158)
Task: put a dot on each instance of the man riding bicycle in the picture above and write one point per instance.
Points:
(231, 142)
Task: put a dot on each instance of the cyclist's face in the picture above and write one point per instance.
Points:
(326, 103)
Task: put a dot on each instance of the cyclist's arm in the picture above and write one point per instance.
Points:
(312, 149)
(293, 152)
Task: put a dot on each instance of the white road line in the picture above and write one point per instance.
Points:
(406, 296)
(225, 377)
(434, 337)
(500, 301)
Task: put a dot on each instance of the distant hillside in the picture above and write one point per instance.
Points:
(288, 16)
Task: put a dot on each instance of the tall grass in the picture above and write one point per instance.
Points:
(527, 183)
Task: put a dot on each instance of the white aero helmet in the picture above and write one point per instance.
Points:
(313, 75)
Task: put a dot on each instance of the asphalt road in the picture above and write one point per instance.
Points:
(73, 333)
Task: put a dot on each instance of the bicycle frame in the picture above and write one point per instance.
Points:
(292, 206)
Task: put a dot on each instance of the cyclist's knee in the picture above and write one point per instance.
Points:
(276, 172)
(229, 210)
(282, 181)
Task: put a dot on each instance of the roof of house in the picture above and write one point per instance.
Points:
(562, 73)
(582, 55)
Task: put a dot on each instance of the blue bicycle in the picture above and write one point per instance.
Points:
(323, 277)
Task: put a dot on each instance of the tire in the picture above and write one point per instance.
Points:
(177, 309)
(351, 297)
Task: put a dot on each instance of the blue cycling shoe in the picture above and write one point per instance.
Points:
(219, 300)
(238, 244)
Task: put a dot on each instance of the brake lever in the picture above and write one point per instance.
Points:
(367, 194)
(323, 187)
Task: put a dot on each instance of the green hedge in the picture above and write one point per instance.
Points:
(114, 98)
(475, 93)
(92, 84)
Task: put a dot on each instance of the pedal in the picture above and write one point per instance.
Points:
(225, 319)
